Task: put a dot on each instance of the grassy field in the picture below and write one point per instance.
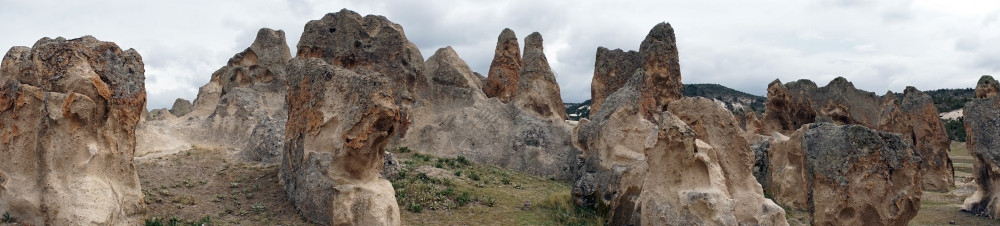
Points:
(944, 208)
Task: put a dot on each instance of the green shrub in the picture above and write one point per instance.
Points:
(8, 219)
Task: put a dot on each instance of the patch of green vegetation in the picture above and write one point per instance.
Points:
(174, 221)
(564, 211)
(7, 218)
(955, 129)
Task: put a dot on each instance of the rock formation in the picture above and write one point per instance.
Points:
(181, 107)
(846, 175)
(504, 135)
(792, 105)
(657, 56)
(68, 113)
(339, 122)
(987, 87)
(159, 114)
(982, 124)
(658, 170)
(537, 90)
(370, 43)
(611, 70)
(502, 80)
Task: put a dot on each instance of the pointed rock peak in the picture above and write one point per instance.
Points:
(662, 32)
(910, 90)
(507, 35)
(533, 42)
(776, 82)
(841, 82)
(505, 68)
(987, 87)
(890, 95)
(445, 53)
(801, 84)
(271, 47)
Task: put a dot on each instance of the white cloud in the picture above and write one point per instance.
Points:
(884, 45)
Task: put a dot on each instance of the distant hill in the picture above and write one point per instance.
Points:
(951, 99)
(732, 99)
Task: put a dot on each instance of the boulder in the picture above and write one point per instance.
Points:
(504, 135)
(502, 80)
(181, 107)
(266, 141)
(537, 90)
(655, 170)
(68, 113)
(339, 122)
(657, 56)
(370, 43)
(845, 175)
(987, 87)
(159, 114)
(982, 124)
(914, 116)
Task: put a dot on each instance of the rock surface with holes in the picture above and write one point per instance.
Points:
(339, 122)
(982, 124)
(689, 165)
(846, 175)
(68, 113)
(793, 105)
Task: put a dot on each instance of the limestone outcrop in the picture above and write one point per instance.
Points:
(504, 135)
(658, 170)
(181, 107)
(982, 124)
(657, 56)
(537, 90)
(846, 175)
(339, 122)
(793, 105)
(502, 79)
(68, 113)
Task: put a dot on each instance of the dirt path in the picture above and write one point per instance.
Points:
(200, 185)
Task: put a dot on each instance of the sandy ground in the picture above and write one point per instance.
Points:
(199, 183)
(952, 115)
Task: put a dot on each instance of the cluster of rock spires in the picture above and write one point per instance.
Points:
(68, 113)
(71, 113)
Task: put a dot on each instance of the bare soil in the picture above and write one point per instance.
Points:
(204, 184)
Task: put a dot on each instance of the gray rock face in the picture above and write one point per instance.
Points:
(504, 135)
(505, 69)
(68, 113)
(798, 103)
(657, 56)
(982, 124)
(181, 107)
(339, 122)
(267, 140)
(987, 87)
(370, 43)
(846, 175)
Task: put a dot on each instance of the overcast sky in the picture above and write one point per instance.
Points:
(880, 46)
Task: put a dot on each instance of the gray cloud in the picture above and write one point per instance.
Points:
(880, 46)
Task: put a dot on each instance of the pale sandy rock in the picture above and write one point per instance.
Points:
(654, 170)
(502, 80)
(537, 90)
(68, 113)
(982, 124)
(159, 114)
(339, 122)
(459, 120)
